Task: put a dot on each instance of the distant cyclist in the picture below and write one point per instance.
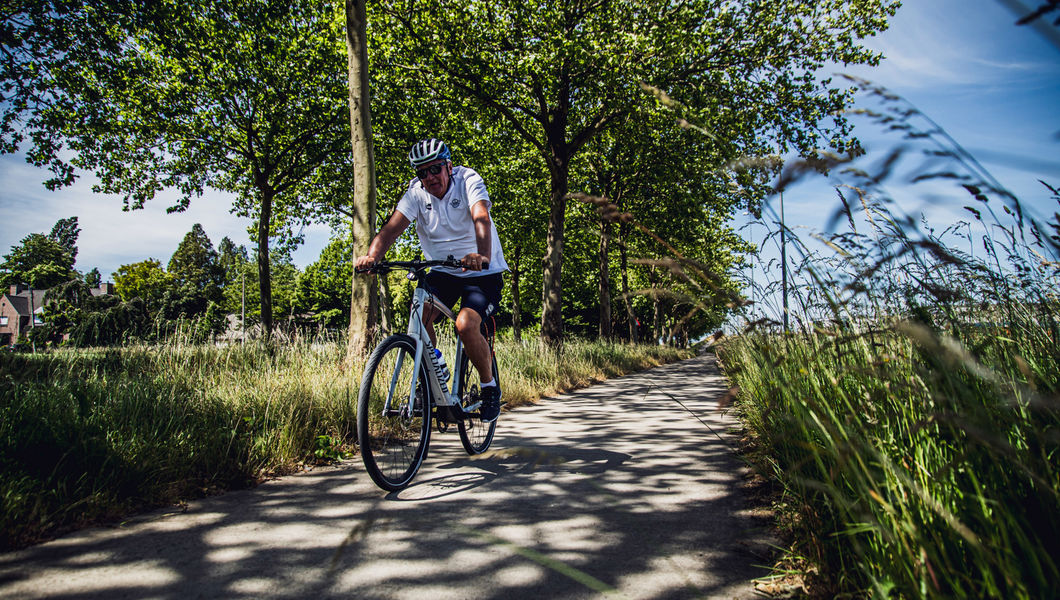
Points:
(452, 213)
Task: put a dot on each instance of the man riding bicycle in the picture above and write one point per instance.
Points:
(451, 209)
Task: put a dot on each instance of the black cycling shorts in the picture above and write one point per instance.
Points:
(481, 293)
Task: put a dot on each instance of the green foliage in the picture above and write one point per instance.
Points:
(285, 286)
(151, 303)
(72, 315)
(175, 95)
(328, 449)
(558, 75)
(195, 266)
(113, 431)
(177, 87)
(107, 321)
(324, 287)
(237, 268)
(146, 280)
(197, 276)
(93, 278)
(38, 261)
(46, 45)
(910, 460)
(284, 294)
(65, 232)
(179, 96)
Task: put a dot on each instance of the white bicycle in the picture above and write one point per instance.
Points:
(401, 392)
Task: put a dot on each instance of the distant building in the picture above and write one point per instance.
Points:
(20, 303)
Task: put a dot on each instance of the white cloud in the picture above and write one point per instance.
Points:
(109, 236)
(945, 43)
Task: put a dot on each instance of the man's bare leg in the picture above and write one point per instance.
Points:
(469, 328)
(429, 315)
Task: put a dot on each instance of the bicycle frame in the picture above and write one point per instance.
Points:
(392, 442)
(439, 391)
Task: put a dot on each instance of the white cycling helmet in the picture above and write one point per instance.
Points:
(428, 150)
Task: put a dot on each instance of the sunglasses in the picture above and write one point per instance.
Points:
(432, 170)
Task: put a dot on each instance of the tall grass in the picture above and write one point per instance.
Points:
(91, 435)
(913, 417)
(910, 469)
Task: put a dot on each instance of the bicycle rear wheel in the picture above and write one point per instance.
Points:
(475, 435)
(392, 433)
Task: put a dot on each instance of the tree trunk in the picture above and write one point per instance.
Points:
(658, 326)
(605, 280)
(552, 288)
(264, 273)
(623, 233)
(386, 308)
(517, 309)
(364, 300)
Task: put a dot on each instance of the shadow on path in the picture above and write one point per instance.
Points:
(628, 487)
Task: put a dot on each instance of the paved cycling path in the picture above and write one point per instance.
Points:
(627, 488)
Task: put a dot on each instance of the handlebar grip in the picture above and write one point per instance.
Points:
(460, 264)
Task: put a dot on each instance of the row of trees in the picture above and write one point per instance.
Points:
(44, 260)
(197, 287)
(257, 97)
(200, 284)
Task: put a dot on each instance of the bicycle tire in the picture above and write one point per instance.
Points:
(393, 443)
(475, 435)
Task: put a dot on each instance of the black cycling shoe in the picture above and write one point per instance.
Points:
(491, 403)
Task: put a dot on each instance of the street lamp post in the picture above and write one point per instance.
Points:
(784, 262)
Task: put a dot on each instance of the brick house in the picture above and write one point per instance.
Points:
(20, 303)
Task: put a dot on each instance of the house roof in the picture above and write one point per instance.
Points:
(102, 289)
(21, 301)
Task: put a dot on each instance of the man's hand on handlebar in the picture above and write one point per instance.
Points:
(364, 264)
(475, 262)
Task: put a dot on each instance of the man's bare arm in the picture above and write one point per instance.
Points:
(391, 231)
(483, 237)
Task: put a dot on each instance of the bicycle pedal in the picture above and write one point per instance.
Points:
(450, 414)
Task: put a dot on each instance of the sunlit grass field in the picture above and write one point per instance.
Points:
(910, 417)
(910, 464)
(91, 435)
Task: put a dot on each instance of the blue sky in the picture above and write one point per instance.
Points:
(993, 86)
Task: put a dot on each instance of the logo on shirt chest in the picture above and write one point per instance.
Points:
(455, 202)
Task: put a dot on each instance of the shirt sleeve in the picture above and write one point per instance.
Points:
(475, 188)
(407, 205)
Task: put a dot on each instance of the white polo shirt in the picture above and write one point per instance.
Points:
(445, 225)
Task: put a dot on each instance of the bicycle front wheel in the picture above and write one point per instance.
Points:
(475, 435)
(393, 419)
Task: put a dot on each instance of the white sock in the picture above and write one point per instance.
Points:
(492, 383)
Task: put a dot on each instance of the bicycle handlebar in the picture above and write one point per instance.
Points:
(415, 265)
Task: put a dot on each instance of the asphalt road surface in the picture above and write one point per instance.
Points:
(626, 489)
